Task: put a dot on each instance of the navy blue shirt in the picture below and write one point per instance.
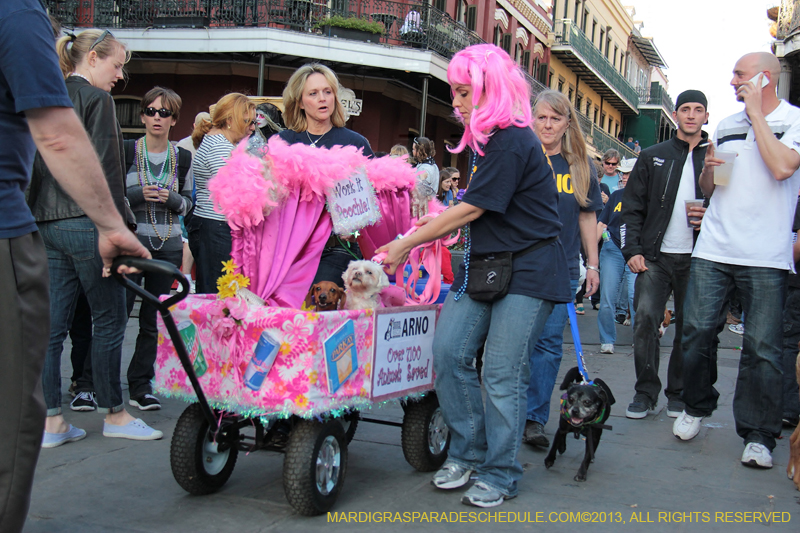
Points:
(334, 137)
(569, 210)
(514, 184)
(29, 79)
(612, 215)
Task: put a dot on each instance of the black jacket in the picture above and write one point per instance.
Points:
(95, 107)
(650, 195)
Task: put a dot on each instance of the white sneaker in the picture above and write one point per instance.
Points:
(606, 348)
(756, 455)
(737, 328)
(686, 427)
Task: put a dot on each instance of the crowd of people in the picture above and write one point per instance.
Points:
(631, 229)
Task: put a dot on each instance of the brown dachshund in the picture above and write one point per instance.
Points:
(793, 468)
(326, 296)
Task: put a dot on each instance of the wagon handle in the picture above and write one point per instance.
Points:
(163, 267)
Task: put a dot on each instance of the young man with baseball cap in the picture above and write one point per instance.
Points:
(657, 244)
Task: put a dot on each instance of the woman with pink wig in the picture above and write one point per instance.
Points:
(511, 205)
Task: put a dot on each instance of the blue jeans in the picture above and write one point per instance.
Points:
(545, 359)
(613, 271)
(757, 401)
(75, 263)
(210, 243)
(487, 439)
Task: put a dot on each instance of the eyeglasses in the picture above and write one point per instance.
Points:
(99, 40)
(163, 113)
(611, 163)
(248, 123)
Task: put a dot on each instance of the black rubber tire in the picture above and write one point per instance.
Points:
(302, 452)
(422, 443)
(187, 455)
(350, 422)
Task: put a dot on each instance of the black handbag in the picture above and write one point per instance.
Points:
(489, 276)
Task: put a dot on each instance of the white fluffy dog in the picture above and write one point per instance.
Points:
(363, 281)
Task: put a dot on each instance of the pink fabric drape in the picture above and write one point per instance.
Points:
(396, 220)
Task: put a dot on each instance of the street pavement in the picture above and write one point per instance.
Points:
(643, 478)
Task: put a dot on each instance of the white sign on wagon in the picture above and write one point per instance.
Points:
(403, 357)
(352, 204)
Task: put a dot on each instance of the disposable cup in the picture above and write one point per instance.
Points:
(692, 203)
(722, 173)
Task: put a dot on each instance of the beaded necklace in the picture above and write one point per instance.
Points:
(460, 293)
(145, 172)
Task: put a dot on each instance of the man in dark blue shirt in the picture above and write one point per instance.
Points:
(36, 113)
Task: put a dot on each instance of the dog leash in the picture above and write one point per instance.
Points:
(576, 339)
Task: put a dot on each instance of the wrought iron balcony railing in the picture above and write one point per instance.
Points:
(656, 95)
(601, 140)
(569, 34)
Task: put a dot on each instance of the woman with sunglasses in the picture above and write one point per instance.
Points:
(233, 119)
(511, 205)
(314, 116)
(92, 63)
(448, 186)
(160, 192)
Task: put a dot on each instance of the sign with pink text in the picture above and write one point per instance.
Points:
(352, 204)
(403, 357)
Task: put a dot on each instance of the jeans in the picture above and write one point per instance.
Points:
(668, 273)
(487, 438)
(141, 370)
(791, 337)
(613, 272)
(757, 400)
(75, 263)
(545, 360)
(210, 243)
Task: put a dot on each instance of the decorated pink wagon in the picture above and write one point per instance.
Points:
(261, 372)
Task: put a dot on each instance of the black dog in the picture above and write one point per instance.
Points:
(584, 410)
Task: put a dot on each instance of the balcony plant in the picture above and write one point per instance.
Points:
(350, 28)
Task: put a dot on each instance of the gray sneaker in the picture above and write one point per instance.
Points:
(482, 495)
(675, 407)
(451, 476)
(640, 407)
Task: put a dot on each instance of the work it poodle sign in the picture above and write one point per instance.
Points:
(352, 203)
(403, 359)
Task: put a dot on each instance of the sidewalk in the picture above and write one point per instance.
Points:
(641, 472)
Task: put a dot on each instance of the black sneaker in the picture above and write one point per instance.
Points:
(620, 318)
(534, 434)
(145, 402)
(84, 401)
(639, 408)
(790, 421)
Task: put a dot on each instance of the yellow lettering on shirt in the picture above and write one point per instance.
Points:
(618, 207)
(564, 183)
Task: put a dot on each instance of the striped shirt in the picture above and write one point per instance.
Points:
(211, 155)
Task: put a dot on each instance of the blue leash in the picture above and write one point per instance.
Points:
(576, 338)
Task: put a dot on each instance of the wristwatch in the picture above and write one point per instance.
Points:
(590, 267)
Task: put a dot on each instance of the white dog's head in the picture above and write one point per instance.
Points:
(363, 280)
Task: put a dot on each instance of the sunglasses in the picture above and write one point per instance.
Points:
(611, 163)
(99, 40)
(163, 113)
(248, 123)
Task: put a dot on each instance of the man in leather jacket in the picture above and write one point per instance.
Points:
(657, 244)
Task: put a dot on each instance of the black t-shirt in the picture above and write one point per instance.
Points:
(334, 137)
(794, 279)
(514, 184)
(612, 215)
(569, 210)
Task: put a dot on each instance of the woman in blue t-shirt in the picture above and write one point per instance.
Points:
(579, 198)
(511, 204)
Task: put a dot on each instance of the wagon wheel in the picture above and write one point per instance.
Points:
(314, 465)
(425, 435)
(198, 464)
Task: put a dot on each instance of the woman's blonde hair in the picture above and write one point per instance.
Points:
(398, 150)
(73, 48)
(573, 145)
(232, 112)
(293, 116)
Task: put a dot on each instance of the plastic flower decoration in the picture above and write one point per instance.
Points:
(229, 283)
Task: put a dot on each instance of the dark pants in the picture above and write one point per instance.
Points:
(669, 273)
(24, 333)
(758, 399)
(334, 262)
(80, 333)
(791, 338)
(210, 243)
(141, 370)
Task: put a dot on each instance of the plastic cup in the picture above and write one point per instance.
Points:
(722, 173)
(689, 204)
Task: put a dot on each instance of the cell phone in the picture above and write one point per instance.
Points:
(764, 80)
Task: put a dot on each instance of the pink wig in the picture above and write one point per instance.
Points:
(495, 78)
